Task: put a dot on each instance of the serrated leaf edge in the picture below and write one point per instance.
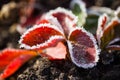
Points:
(90, 65)
(23, 45)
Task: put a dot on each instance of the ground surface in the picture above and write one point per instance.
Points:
(43, 69)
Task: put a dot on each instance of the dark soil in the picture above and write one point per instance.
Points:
(43, 69)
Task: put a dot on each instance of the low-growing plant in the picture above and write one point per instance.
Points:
(59, 35)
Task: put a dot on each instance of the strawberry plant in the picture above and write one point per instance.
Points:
(59, 35)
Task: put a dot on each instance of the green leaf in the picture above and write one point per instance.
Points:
(91, 23)
(79, 9)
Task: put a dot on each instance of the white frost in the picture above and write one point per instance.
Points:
(38, 45)
(90, 65)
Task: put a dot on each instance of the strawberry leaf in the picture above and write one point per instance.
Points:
(65, 17)
(15, 65)
(113, 47)
(79, 9)
(57, 52)
(108, 33)
(106, 30)
(117, 12)
(41, 36)
(101, 26)
(91, 23)
(12, 59)
(83, 48)
(114, 44)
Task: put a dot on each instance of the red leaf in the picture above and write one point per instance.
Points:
(111, 26)
(114, 44)
(113, 47)
(101, 26)
(8, 56)
(57, 52)
(83, 48)
(65, 17)
(109, 33)
(15, 65)
(106, 30)
(41, 36)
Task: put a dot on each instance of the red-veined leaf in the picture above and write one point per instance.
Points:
(8, 56)
(41, 36)
(83, 48)
(65, 17)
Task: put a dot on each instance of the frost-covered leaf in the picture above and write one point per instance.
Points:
(113, 47)
(93, 14)
(101, 10)
(114, 44)
(106, 30)
(101, 26)
(79, 9)
(12, 59)
(83, 48)
(65, 17)
(41, 36)
(117, 12)
(109, 33)
(59, 26)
